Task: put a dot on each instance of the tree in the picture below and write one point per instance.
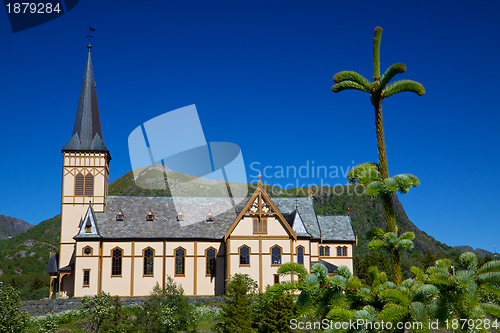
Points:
(274, 315)
(376, 176)
(97, 308)
(390, 242)
(12, 319)
(470, 296)
(241, 291)
(116, 320)
(166, 310)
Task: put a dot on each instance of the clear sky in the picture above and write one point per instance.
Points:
(260, 74)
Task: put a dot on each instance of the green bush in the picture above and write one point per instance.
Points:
(166, 310)
(12, 319)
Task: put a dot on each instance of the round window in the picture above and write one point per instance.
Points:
(87, 250)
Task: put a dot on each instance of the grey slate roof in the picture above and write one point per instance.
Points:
(336, 228)
(331, 267)
(87, 133)
(165, 224)
(305, 207)
(194, 224)
(295, 221)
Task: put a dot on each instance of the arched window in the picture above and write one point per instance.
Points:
(300, 255)
(79, 182)
(244, 256)
(116, 262)
(344, 251)
(210, 255)
(89, 185)
(327, 251)
(276, 255)
(321, 251)
(180, 256)
(339, 251)
(148, 261)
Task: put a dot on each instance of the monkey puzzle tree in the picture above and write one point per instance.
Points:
(376, 177)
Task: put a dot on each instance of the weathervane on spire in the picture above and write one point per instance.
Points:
(91, 30)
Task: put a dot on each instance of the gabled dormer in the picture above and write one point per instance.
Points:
(260, 216)
(298, 225)
(88, 225)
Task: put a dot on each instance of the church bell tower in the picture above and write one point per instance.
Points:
(85, 174)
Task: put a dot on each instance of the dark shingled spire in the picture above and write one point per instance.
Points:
(87, 133)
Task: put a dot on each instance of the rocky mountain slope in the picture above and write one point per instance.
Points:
(12, 226)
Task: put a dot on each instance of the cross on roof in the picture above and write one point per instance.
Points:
(91, 30)
(260, 176)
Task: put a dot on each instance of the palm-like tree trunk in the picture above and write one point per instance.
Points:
(390, 216)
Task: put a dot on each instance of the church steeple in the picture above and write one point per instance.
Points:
(87, 133)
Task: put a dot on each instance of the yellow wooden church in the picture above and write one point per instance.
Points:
(126, 245)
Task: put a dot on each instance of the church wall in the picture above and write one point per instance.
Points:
(116, 285)
(207, 284)
(275, 227)
(141, 246)
(142, 284)
(87, 263)
(244, 227)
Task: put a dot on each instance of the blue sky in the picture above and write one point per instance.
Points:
(260, 75)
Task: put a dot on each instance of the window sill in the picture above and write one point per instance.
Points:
(86, 286)
(179, 275)
(148, 275)
(116, 276)
(244, 265)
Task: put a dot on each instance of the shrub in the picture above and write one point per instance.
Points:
(12, 319)
(166, 310)
(116, 320)
(47, 323)
(97, 308)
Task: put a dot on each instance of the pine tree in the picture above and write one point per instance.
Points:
(237, 312)
(275, 314)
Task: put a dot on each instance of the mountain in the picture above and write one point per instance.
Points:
(158, 180)
(480, 252)
(23, 258)
(12, 226)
